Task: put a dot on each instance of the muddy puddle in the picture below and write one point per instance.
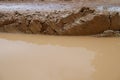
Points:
(38, 57)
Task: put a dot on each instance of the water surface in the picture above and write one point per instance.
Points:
(38, 57)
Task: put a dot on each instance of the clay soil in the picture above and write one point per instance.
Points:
(59, 17)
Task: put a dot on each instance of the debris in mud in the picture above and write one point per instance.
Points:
(109, 33)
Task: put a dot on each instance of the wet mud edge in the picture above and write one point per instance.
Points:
(82, 21)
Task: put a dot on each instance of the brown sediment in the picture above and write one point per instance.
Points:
(80, 20)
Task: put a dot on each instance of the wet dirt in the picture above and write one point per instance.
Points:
(53, 18)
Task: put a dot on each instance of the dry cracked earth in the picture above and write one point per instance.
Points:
(60, 18)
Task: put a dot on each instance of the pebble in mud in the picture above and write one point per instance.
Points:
(109, 33)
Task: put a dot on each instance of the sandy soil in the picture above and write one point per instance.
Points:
(53, 6)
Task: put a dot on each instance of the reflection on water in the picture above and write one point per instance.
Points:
(37, 57)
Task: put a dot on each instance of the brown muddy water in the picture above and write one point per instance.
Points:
(38, 57)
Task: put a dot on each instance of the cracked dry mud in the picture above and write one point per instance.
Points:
(59, 18)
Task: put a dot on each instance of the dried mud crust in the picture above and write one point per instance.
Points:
(59, 18)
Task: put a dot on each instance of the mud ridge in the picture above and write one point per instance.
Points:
(85, 20)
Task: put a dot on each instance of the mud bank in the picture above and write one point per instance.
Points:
(59, 18)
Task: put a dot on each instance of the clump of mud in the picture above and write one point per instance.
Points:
(109, 33)
(74, 20)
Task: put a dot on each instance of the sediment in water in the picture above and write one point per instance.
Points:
(75, 20)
